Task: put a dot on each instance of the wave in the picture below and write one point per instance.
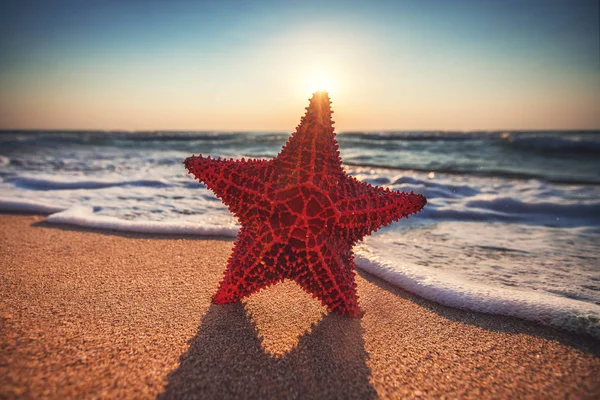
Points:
(546, 140)
(28, 206)
(82, 216)
(182, 136)
(487, 173)
(511, 210)
(560, 312)
(85, 217)
(446, 190)
(412, 136)
(62, 183)
(578, 144)
(97, 137)
(510, 205)
(510, 155)
(52, 139)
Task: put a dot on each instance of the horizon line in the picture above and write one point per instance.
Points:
(87, 130)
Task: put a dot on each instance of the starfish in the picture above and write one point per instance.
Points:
(300, 214)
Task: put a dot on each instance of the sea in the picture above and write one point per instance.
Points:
(511, 227)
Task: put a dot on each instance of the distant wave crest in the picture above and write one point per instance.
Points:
(62, 183)
(553, 143)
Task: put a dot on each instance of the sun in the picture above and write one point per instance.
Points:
(319, 81)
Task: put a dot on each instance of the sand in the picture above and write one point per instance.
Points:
(100, 314)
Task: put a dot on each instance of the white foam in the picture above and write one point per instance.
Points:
(85, 217)
(556, 311)
(26, 205)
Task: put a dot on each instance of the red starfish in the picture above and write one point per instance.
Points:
(300, 214)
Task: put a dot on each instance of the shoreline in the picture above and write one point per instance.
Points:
(89, 312)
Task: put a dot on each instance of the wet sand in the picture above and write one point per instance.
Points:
(100, 314)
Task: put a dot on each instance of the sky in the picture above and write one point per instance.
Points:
(252, 65)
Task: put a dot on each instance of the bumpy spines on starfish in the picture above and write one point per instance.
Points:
(367, 208)
(300, 214)
(238, 183)
(312, 153)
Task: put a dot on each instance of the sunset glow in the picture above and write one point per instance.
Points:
(320, 81)
(229, 65)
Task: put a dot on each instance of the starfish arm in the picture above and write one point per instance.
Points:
(328, 274)
(239, 184)
(364, 208)
(311, 154)
(251, 266)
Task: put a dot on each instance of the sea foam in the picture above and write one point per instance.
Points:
(556, 311)
(85, 217)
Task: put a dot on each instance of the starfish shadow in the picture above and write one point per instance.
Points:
(226, 360)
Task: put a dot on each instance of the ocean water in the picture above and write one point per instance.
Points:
(512, 224)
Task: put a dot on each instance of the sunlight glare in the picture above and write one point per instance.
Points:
(318, 82)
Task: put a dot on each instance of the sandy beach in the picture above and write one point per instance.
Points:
(100, 314)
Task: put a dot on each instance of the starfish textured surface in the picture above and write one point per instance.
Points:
(300, 213)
